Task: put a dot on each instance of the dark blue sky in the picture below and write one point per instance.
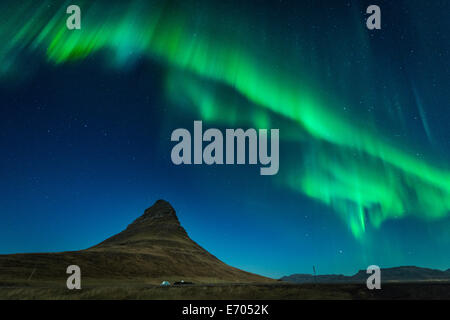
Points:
(86, 149)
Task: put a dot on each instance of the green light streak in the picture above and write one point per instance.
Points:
(361, 175)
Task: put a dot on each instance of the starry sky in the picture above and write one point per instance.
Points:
(364, 173)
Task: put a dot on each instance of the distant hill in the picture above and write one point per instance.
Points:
(153, 248)
(397, 274)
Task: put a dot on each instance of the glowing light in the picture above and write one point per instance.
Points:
(347, 166)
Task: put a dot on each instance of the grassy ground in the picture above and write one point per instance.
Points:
(234, 291)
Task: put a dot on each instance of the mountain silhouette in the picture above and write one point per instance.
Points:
(396, 274)
(153, 248)
(158, 224)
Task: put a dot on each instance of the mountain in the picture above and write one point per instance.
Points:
(397, 274)
(153, 248)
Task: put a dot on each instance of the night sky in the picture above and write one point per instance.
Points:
(364, 177)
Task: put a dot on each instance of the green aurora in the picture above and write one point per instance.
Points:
(342, 161)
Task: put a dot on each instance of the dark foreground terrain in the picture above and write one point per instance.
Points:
(155, 248)
(277, 291)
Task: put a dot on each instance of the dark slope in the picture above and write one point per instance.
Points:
(397, 274)
(154, 247)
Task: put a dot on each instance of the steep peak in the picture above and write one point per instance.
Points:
(157, 223)
(160, 213)
(161, 208)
